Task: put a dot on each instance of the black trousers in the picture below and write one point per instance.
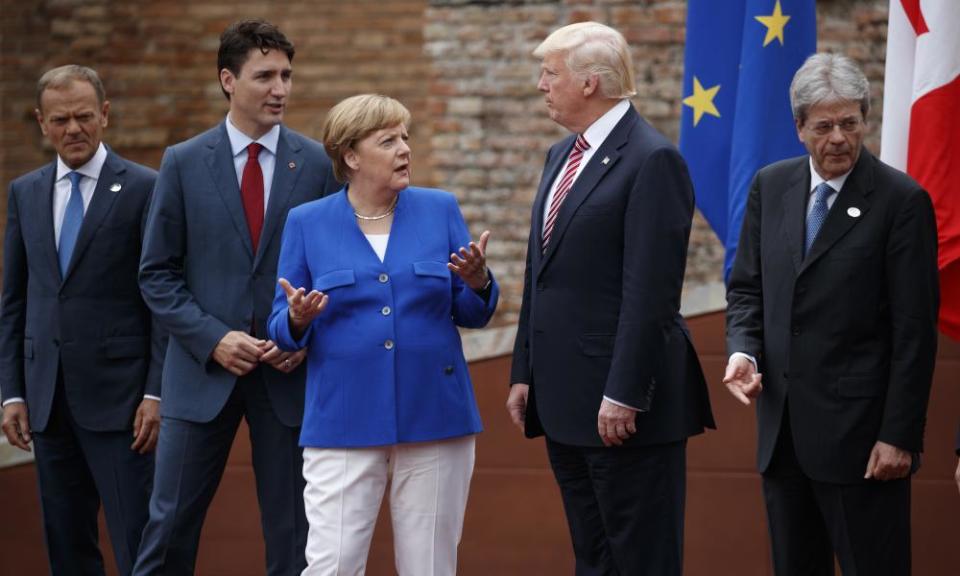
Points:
(866, 524)
(77, 470)
(624, 507)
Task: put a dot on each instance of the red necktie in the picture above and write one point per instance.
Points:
(251, 190)
(563, 188)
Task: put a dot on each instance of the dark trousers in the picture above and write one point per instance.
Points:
(191, 458)
(77, 469)
(866, 524)
(624, 507)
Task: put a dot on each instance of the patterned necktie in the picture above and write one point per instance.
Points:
(563, 188)
(817, 214)
(251, 189)
(72, 219)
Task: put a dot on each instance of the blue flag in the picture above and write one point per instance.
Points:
(740, 58)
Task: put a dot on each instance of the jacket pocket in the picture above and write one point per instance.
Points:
(859, 386)
(334, 279)
(125, 347)
(597, 344)
(437, 269)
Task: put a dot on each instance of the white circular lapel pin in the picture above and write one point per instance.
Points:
(115, 187)
(853, 212)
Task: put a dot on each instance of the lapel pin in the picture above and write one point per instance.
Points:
(606, 160)
(853, 212)
(292, 165)
(115, 187)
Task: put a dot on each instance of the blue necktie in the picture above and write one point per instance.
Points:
(817, 214)
(72, 219)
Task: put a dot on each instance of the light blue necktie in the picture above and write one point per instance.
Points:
(72, 219)
(817, 214)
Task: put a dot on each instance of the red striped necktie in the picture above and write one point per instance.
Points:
(563, 188)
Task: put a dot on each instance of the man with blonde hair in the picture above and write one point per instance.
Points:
(603, 365)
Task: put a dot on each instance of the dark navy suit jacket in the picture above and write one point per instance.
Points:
(601, 307)
(92, 323)
(200, 275)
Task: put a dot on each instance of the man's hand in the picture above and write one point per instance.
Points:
(615, 423)
(887, 462)
(146, 426)
(956, 476)
(742, 379)
(517, 404)
(283, 361)
(239, 352)
(16, 425)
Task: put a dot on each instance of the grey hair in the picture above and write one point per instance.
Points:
(63, 76)
(828, 78)
(594, 48)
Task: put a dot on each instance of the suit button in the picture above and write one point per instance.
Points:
(388, 344)
(56, 342)
(385, 310)
(540, 287)
(448, 370)
(796, 331)
(383, 278)
(786, 376)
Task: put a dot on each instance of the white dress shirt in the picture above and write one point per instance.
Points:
(268, 156)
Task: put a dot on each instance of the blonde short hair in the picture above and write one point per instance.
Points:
(355, 118)
(594, 48)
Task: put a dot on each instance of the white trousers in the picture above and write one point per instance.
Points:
(428, 496)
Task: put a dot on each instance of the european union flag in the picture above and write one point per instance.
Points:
(740, 58)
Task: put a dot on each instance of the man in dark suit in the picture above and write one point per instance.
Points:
(208, 273)
(603, 364)
(833, 297)
(79, 358)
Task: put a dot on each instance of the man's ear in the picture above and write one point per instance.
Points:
(39, 115)
(226, 81)
(590, 85)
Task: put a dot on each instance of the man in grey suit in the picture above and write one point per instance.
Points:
(79, 357)
(208, 272)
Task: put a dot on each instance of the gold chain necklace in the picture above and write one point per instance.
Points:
(393, 207)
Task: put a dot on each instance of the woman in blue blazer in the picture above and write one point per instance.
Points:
(374, 281)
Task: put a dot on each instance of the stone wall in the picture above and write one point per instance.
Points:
(462, 66)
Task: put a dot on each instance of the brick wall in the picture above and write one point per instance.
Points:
(462, 66)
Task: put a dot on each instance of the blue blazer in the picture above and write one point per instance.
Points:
(91, 323)
(200, 275)
(385, 361)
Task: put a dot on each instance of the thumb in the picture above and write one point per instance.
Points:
(287, 287)
(483, 241)
(872, 463)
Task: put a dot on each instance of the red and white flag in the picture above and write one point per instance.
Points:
(921, 124)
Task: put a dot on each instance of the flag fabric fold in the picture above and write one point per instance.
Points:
(740, 58)
(921, 124)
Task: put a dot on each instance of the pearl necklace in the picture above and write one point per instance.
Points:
(379, 216)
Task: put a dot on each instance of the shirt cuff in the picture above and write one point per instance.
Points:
(14, 400)
(151, 397)
(747, 356)
(622, 405)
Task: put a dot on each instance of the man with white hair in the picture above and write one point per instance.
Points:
(603, 364)
(833, 297)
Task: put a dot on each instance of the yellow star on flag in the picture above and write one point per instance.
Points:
(702, 101)
(774, 23)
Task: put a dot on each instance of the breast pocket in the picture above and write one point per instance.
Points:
(434, 269)
(334, 279)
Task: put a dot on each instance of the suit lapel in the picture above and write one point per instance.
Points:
(794, 211)
(219, 159)
(839, 220)
(112, 175)
(602, 161)
(286, 172)
(43, 215)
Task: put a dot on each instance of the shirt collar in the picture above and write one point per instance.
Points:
(91, 169)
(604, 125)
(835, 183)
(239, 141)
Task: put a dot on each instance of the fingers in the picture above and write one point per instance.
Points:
(517, 405)
(738, 393)
(287, 287)
(483, 241)
(615, 424)
(872, 463)
(273, 354)
(16, 425)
